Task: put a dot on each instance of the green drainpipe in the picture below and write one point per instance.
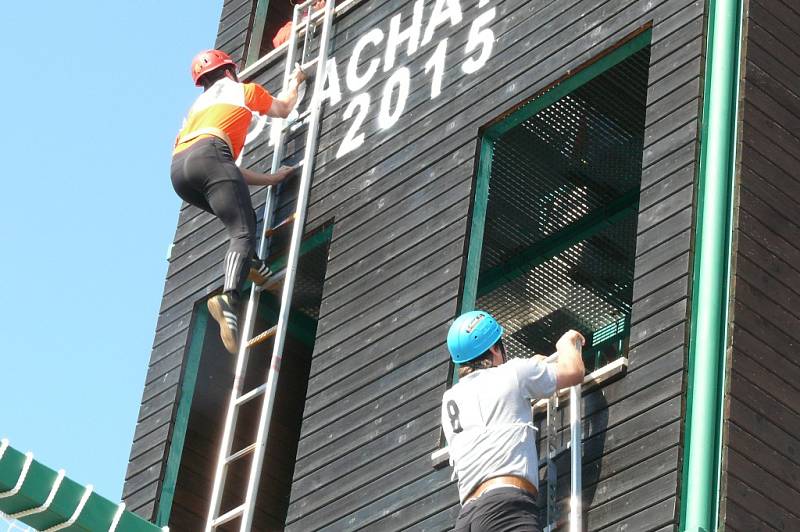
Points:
(711, 283)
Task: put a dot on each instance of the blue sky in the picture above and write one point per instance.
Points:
(92, 95)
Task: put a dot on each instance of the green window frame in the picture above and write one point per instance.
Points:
(553, 232)
(300, 326)
(268, 17)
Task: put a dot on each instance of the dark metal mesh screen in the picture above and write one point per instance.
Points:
(310, 278)
(560, 228)
(311, 267)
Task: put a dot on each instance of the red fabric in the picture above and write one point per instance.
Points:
(286, 30)
(283, 34)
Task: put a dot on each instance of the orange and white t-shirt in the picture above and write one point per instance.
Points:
(227, 106)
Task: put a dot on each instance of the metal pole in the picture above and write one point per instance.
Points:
(576, 449)
(291, 272)
(708, 336)
(576, 453)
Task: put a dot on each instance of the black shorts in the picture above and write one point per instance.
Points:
(500, 510)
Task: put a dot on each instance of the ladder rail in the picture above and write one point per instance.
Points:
(576, 457)
(551, 450)
(277, 154)
(576, 451)
(291, 271)
(242, 358)
(309, 28)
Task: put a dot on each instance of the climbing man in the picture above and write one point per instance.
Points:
(488, 422)
(204, 173)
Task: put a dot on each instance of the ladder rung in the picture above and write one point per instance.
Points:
(555, 453)
(298, 122)
(284, 223)
(275, 281)
(238, 454)
(263, 337)
(308, 64)
(228, 516)
(255, 392)
(304, 4)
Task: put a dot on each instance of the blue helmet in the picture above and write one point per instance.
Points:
(471, 334)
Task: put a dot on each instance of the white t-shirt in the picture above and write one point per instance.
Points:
(488, 422)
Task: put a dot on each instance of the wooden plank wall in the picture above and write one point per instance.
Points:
(193, 273)
(400, 206)
(762, 461)
(234, 27)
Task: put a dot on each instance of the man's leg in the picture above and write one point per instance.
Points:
(230, 201)
(206, 176)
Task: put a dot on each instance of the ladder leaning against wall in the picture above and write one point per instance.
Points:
(267, 390)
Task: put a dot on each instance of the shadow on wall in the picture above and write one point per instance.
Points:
(595, 423)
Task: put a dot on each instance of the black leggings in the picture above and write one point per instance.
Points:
(205, 175)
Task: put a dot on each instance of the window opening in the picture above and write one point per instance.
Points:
(204, 401)
(272, 26)
(554, 218)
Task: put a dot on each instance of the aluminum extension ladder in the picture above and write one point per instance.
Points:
(576, 451)
(267, 391)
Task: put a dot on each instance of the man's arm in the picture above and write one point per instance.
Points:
(569, 363)
(283, 104)
(259, 179)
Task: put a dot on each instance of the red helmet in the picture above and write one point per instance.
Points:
(209, 60)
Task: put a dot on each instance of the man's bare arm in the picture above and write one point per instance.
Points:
(569, 363)
(259, 179)
(284, 102)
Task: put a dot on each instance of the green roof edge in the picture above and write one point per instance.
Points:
(43, 498)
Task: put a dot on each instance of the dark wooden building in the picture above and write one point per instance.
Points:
(542, 159)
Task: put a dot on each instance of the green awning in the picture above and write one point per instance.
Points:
(47, 500)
